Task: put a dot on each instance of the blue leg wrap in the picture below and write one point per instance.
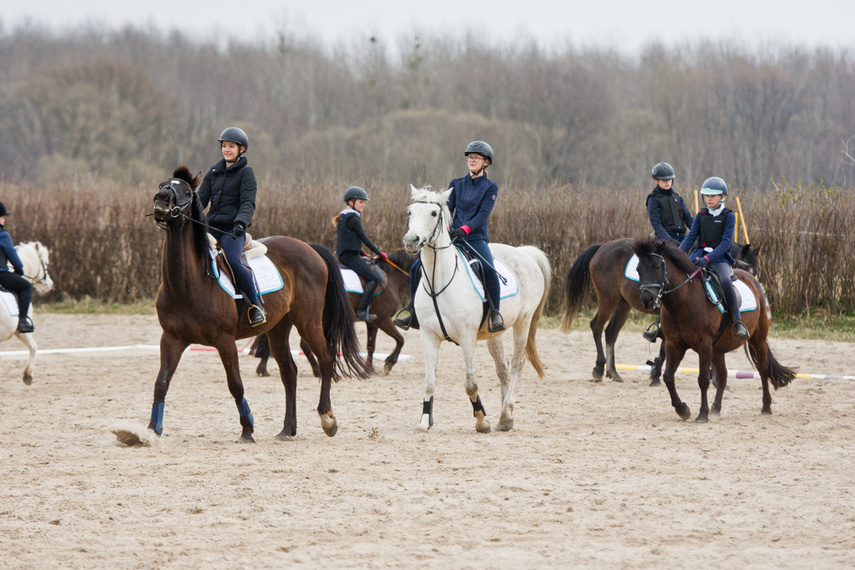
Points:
(157, 418)
(243, 410)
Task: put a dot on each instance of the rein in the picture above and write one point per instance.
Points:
(35, 278)
(181, 206)
(390, 262)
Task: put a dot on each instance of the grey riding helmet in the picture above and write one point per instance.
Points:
(480, 147)
(355, 193)
(663, 171)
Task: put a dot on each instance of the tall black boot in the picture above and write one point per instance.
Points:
(363, 308)
(495, 322)
(740, 331)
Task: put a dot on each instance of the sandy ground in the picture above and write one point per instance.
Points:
(593, 475)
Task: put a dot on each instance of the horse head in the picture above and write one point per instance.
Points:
(653, 259)
(174, 199)
(36, 259)
(429, 219)
(749, 259)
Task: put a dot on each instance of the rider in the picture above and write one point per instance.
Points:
(714, 228)
(350, 236)
(230, 187)
(13, 280)
(471, 201)
(668, 215)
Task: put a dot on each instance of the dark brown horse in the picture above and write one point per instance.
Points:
(603, 266)
(670, 282)
(385, 305)
(193, 308)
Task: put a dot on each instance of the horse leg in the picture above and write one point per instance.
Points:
(430, 347)
(171, 349)
(597, 330)
(612, 331)
(704, 362)
(27, 339)
(313, 335)
(313, 362)
(720, 367)
(672, 360)
(370, 342)
(656, 365)
(227, 350)
(388, 327)
(506, 380)
(281, 351)
(482, 424)
(761, 350)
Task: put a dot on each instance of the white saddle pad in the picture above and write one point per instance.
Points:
(749, 301)
(507, 282)
(352, 284)
(267, 277)
(11, 302)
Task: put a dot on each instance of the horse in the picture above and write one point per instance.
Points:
(602, 266)
(385, 305)
(35, 257)
(192, 307)
(449, 308)
(690, 321)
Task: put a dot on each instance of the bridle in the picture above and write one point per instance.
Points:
(182, 205)
(658, 290)
(44, 274)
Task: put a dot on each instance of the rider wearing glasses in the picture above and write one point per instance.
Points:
(471, 201)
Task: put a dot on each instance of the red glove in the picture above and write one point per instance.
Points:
(383, 256)
(466, 229)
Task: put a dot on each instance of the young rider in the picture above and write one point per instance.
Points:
(13, 280)
(471, 202)
(713, 227)
(668, 215)
(230, 187)
(350, 236)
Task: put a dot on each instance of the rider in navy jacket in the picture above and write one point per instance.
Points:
(230, 187)
(471, 201)
(13, 280)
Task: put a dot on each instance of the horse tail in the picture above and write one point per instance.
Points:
(339, 324)
(260, 347)
(546, 270)
(779, 375)
(577, 287)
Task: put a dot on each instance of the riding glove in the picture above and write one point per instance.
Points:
(383, 256)
(239, 231)
(19, 271)
(702, 261)
(456, 233)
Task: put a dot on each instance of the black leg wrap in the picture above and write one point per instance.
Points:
(477, 406)
(427, 408)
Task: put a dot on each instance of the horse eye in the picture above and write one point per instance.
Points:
(434, 214)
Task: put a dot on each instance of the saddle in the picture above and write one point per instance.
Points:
(251, 248)
(381, 285)
(715, 291)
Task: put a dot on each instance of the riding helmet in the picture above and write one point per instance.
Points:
(236, 136)
(479, 147)
(713, 186)
(3, 210)
(663, 171)
(355, 193)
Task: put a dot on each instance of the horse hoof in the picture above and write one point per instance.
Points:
(616, 378)
(329, 424)
(766, 411)
(701, 420)
(655, 382)
(28, 378)
(425, 424)
(483, 428)
(284, 436)
(716, 410)
(597, 374)
(683, 411)
(387, 368)
(246, 438)
(506, 425)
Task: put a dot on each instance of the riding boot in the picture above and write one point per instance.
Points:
(363, 308)
(652, 331)
(408, 322)
(495, 322)
(739, 330)
(257, 315)
(25, 325)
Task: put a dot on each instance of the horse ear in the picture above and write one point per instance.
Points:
(444, 195)
(196, 180)
(413, 191)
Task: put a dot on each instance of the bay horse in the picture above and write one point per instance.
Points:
(192, 307)
(603, 267)
(670, 282)
(35, 258)
(449, 307)
(385, 305)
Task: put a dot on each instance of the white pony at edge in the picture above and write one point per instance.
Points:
(34, 256)
(445, 282)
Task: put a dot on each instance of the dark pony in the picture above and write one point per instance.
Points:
(601, 267)
(385, 305)
(193, 308)
(671, 283)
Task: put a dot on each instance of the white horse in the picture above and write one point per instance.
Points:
(449, 308)
(35, 258)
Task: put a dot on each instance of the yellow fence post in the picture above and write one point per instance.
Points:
(742, 217)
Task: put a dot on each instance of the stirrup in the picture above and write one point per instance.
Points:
(652, 332)
(740, 331)
(25, 325)
(365, 315)
(496, 322)
(257, 315)
(408, 322)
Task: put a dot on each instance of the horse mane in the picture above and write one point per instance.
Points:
(655, 246)
(431, 196)
(200, 231)
(40, 250)
(401, 258)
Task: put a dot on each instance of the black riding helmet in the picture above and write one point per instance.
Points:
(355, 193)
(235, 135)
(3, 210)
(480, 147)
(663, 171)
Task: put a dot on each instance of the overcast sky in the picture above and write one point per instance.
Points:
(623, 24)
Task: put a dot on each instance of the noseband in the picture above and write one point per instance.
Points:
(658, 289)
(181, 203)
